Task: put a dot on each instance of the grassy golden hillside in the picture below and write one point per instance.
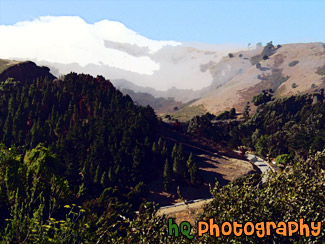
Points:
(5, 63)
(290, 69)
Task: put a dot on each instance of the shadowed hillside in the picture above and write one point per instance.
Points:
(23, 71)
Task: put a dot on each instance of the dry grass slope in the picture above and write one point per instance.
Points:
(291, 63)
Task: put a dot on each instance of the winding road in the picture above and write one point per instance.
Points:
(263, 166)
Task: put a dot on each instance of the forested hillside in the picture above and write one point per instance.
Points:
(77, 155)
(292, 125)
(77, 150)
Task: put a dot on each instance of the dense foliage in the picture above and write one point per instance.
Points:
(294, 125)
(76, 158)
(295, 193)
(91, 127)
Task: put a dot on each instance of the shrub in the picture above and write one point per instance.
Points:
(284, 159)
(293, 63)
(321, 70)
(267, 52)
(262, 98)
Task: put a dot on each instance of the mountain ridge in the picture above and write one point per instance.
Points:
(23, 71)
(291, 69)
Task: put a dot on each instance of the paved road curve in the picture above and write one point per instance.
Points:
(264, 167)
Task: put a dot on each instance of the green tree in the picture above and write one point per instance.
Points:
(174, 151)
(284, 159)
(247, 109)
(189, 161)
(98, 174)
(167, 175)
(178, 169)
(193, 173)
(262, 98)
(104, 180)
(192, 169)
(233, 113)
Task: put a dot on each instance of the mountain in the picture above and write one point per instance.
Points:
(166, 74)
(184, 95)
(160, 105)
(287, 70)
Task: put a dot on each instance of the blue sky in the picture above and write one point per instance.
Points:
(218, 22)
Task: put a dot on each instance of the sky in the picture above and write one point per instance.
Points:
(215, 22)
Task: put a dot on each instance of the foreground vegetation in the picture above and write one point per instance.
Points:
(78, 151)
(40, 206)
(76, 156)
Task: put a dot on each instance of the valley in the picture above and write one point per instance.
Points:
(77, 145)
(157, 122)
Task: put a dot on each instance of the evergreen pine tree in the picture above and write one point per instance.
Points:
(86, 173)
(247, 109)
(104, 180)
(167, 175)
(189, 161)
(193, 173)
(164, 151)
(154, 148)
(7, 130)
(111, 176)
(178, 168)
(174, 151)
(97, 175)
(180, 153)
(160, 144)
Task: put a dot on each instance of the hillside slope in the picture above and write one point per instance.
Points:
(23, 71)
(290, 69)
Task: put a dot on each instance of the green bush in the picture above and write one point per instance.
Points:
(284, 159)
(293, 63)
(286, 196)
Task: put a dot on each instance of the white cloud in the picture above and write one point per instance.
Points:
(68, 39)
(119, 33)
